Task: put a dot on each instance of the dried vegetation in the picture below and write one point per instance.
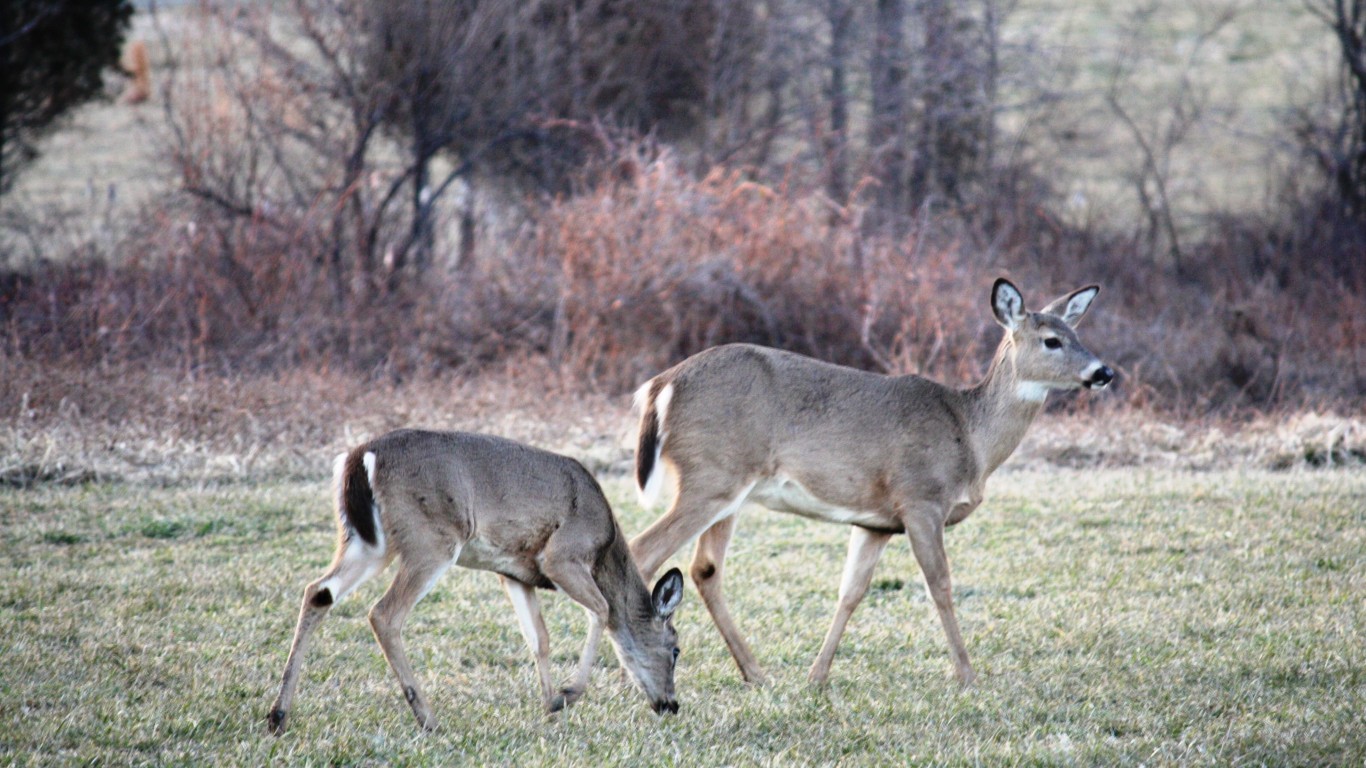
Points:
(260, 312)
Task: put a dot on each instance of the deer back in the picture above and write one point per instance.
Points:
(498, 500)
(847, 436)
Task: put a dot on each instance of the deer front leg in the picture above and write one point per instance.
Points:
(707, 564)
(865, 549)
(926, 530)
(574, 577)
(586, 660)
(527, 606)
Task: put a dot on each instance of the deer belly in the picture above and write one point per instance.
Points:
(479, 555)
(783, 494)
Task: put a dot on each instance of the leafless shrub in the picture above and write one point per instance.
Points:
(289, 242)
(664, 265)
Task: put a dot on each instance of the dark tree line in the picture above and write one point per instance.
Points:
(1340, 147)
(53, 57)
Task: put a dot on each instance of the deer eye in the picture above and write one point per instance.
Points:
(1053, 342)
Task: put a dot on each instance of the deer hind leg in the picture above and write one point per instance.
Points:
(927, 542)
(705, 511)
(415, 579)
(708, 561)
(354, 564)
(692, 512)
(865, 548)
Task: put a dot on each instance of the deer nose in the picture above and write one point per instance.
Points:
(1101, 377)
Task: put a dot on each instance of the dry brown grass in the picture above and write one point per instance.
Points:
(64, 424)
(73, 423)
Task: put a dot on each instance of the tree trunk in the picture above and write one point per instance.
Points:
(886, 136)
(840, 15)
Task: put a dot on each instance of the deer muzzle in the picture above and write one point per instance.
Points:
(1100, 378)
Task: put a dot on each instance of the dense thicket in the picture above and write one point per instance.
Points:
(422, 187)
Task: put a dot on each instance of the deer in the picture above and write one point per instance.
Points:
(882, 454)
(537, 519)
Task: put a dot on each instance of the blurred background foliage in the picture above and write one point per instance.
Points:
(415, 187)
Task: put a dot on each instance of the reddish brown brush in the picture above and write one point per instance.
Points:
(662, 266)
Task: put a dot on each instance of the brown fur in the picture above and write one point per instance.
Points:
(535, 518)
(886, 454)
(138, 66)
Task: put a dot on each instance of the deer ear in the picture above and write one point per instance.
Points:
(1072, 306)
(668, 593)
(1007, 304)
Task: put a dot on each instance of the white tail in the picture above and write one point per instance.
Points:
(884, 454)
(537, 519)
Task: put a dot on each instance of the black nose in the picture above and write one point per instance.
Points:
(1102, 377)
(661, 707)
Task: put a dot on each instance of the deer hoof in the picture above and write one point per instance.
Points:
(755, 680)
(276, 721)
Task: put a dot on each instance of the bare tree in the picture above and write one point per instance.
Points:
(954, 83)
(933, 74)
(840, 15)
(1159, 134)
(886, 136)
(1341, 148)
(514, 90)
(366, 113)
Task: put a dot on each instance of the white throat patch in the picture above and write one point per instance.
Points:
(1031, 391)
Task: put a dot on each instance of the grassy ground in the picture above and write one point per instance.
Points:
(1122, 616)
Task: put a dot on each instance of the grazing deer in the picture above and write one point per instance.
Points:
(535, 518)
(883, 454)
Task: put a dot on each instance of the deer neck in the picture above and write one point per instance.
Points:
(1001, 408)
(619, 581)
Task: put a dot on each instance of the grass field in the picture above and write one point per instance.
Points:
(1134, 616)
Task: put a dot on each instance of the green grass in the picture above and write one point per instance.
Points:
(1115, 617)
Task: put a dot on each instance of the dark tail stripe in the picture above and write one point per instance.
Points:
(358, 501)
(649, 439)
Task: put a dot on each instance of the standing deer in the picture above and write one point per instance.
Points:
(535, 518)
(883, 454)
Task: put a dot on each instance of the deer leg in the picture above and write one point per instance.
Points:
(575, 579)
(586, 660)
(927, 541)
(353, 565)
(415, 578)
(865, 548)
(527, 606)
(707, 564)
(691, 514)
